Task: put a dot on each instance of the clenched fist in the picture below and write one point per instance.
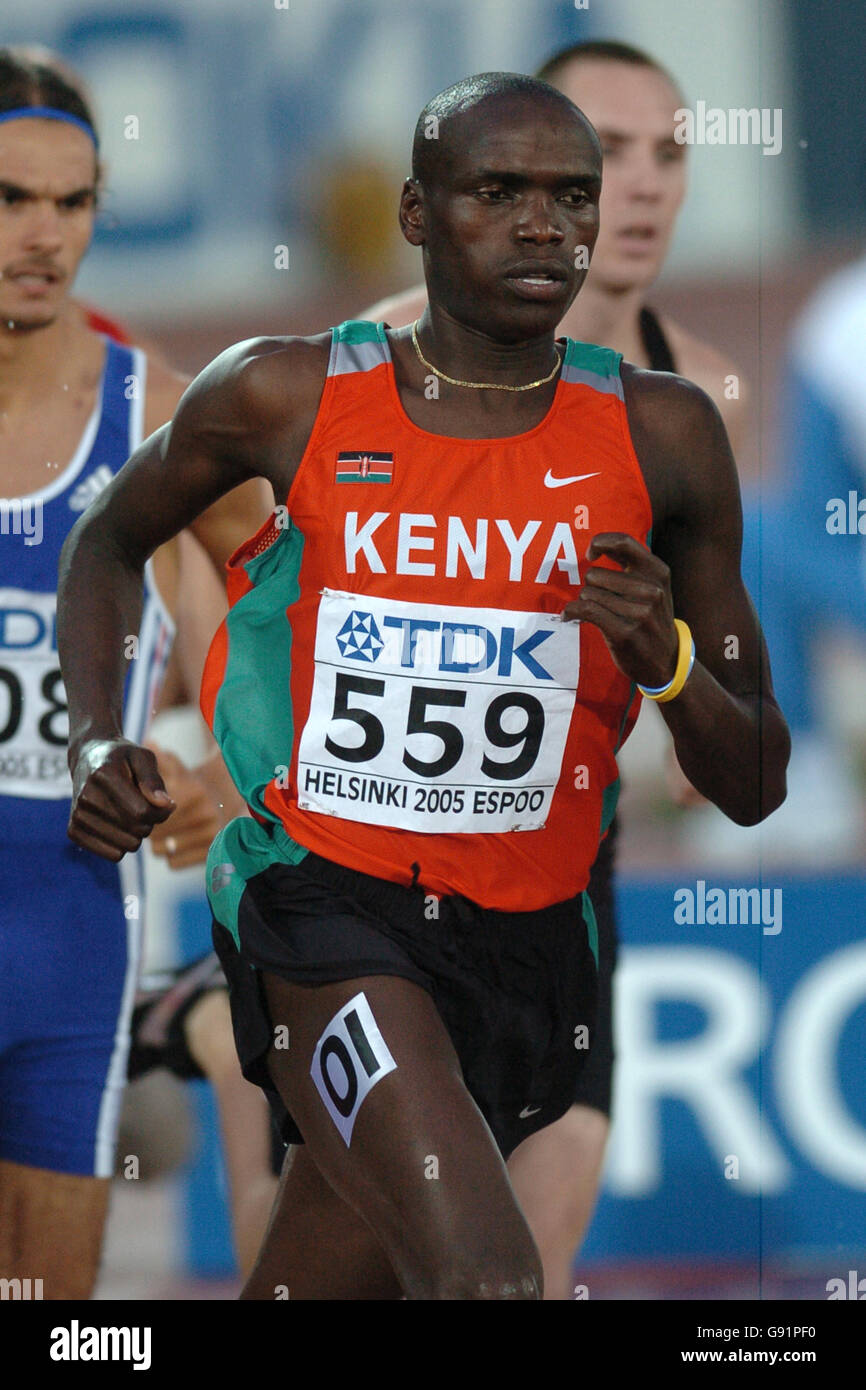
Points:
(632, 606)
(118, 796)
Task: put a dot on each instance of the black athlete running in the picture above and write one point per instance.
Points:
(399, 1187)
(631, 101)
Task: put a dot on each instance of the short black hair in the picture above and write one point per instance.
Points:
(462, 96)
(34, 77)
(604, 51)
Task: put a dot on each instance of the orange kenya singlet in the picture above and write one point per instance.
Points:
(393, 684)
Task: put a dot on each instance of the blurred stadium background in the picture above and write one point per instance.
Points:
(231, 131)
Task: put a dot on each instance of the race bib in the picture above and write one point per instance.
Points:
(435, 718)
(34, 723)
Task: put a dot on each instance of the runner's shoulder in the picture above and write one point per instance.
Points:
(665, 404)
(262, 383)
(680, 442)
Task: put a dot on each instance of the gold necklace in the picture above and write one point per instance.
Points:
(482, 385)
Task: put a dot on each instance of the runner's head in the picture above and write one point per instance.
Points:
(49, 175)
(631, 101)
(506, 174)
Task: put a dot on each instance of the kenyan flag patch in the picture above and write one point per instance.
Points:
(360, 466)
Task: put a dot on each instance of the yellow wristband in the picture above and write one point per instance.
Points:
(685, 662)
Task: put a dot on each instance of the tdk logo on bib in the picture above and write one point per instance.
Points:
(437, 720)
(359, 638)
(456, 648)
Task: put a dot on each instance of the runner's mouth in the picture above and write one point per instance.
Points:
(539, 282)
(640, 234)
(32, 279)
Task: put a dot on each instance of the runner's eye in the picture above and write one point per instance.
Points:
(84, 199)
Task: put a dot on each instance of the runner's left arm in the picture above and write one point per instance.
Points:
(730, 736)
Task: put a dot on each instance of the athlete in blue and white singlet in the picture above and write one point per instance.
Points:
(71, 923)
(73, 406)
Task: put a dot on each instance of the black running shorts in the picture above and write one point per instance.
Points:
(516, 991)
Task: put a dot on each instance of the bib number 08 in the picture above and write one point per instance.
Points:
(51, 688)
(527, 738)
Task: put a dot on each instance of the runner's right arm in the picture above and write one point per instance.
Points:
(243, 417)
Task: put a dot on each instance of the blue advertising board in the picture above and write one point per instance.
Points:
(740, 1113)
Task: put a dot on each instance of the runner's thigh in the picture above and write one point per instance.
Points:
(390, 1124)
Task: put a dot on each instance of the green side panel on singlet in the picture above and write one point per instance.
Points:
(610, 795)
(609, 799)
(591, 926)
(253, 712)
(253, 722)
(241, 850)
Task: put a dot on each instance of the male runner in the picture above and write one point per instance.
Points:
(436, 645)
(631, 101)
(72, 406)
